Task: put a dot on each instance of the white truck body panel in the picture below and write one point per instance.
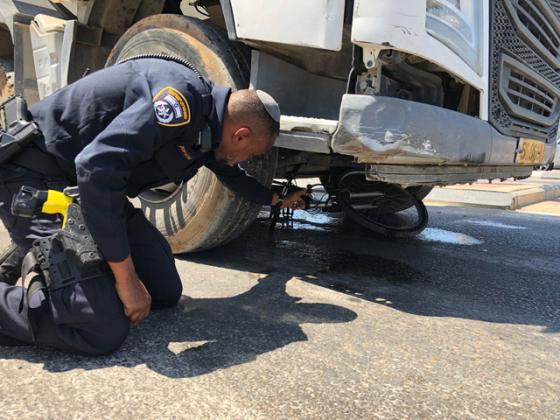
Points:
(9, 8)
(79, 8)
(310, 23)
(51, 41)
(401, 25)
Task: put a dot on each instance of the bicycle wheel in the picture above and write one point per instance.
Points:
(386, 209)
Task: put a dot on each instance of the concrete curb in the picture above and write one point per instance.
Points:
(495, 199)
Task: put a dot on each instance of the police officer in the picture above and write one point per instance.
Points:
(116, 133)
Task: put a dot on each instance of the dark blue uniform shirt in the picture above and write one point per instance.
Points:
(130, 127)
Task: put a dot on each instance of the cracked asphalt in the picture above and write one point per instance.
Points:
(328, 321)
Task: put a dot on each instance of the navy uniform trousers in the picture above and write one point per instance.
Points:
(86, 317)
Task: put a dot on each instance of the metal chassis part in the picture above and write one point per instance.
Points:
(442, 175)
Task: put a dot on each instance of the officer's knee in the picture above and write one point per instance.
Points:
(109, 338)
(170, 298)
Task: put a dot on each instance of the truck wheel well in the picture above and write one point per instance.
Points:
(105, 29)
(172, 6)
(6, 44)
(6, 63)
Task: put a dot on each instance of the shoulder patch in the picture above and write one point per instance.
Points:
(171, 107)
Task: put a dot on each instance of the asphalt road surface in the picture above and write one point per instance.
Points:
(326, 321)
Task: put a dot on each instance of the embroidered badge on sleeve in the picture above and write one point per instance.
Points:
(171, 107)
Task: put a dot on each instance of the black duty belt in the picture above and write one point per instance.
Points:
(35, 159)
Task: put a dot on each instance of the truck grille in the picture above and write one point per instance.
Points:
(525, 83)
(538, 25)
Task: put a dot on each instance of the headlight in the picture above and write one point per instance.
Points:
(456, 23)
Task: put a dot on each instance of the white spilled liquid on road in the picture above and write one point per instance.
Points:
(448, 237)
(304, 220)
(312, 221)
(489, 223)
(323, 222)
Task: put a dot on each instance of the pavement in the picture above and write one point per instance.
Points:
(512, 195)
(328, 321)
(550, 207)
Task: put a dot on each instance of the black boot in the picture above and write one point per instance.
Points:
(10, 263)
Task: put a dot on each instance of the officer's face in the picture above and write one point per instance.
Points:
(240, 144)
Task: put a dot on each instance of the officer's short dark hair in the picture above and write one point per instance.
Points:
(245, 105)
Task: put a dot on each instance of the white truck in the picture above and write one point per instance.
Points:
(408, 93)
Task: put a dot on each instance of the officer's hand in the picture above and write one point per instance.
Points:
(132, 292)
(135, 298)
(295, 200)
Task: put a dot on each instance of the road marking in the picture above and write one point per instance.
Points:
(495, 224)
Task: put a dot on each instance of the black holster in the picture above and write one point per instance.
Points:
(20, 130)
(69, 256)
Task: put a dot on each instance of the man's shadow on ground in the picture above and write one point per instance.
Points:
(203, 335)
(200, 336)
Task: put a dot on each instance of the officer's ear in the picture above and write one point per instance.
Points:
(242, 135)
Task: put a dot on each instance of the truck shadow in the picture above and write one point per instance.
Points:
(200, 336)
(421, 278)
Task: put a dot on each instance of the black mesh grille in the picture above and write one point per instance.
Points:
(538, 25)
(525, 85)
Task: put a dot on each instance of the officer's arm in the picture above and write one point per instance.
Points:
(240, 182)
(103, 170)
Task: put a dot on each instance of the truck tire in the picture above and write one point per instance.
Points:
(203, 213)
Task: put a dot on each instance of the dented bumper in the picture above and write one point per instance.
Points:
(384, 130)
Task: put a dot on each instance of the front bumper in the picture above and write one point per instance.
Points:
(384, 130)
